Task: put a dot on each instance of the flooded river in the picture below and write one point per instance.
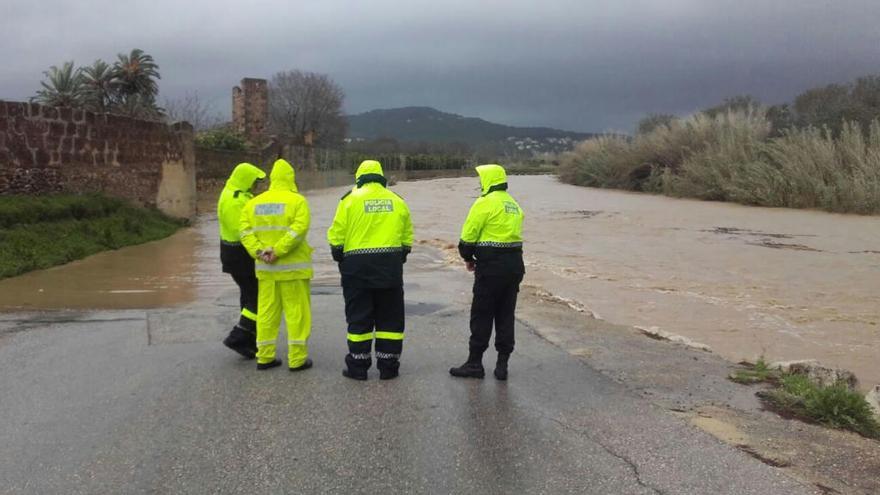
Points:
(787, 284)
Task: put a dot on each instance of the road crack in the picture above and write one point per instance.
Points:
(637, 474)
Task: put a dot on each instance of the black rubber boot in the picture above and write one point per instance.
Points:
(501, 367)
(306, 365)
(472, 368)
(389, 369)
(268, 366)
(388, 374)
(354, 375)
(356, 369)
(242, 341)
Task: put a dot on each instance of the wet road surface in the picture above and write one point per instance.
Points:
(150, 402)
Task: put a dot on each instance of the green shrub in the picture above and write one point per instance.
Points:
(221, 139)
(18, 209)
(836, 406)
(839, 407)
(756, 373)
(798, 385)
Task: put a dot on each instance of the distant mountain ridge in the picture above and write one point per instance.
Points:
(426, 124)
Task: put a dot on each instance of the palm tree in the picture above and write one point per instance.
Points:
(136, 87)
(137, 74)
(63, 87)
(138, 107)
(100, 86)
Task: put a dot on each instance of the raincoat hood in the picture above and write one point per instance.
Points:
(491, 176)
(283, 177)
(243, 177)
(369, 171)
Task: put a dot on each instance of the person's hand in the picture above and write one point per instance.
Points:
(268, 256)
(471, 266)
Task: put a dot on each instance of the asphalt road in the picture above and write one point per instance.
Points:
(151, 402)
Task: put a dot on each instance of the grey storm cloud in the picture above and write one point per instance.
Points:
(581, 65)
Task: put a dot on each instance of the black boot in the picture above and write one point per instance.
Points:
(501, 366)
(354, 375)
(388, 369)
(356, 369)
(472, 368)
(269, 365)
(306, 365)
(242, 341)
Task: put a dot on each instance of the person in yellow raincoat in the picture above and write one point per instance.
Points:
(235, 259)
(491, 245)
(273, 229)
(370, 238)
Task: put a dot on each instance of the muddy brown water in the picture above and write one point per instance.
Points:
(173, 271)
(786, 284)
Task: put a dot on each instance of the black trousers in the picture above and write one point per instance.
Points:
(367, 310)
(247, 299)
(494, 302)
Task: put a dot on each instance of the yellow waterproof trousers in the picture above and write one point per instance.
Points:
(294, 299)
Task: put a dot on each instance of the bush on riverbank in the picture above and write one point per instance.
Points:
(732, 157)
(836, 406)
(794, 394)
(42, 231)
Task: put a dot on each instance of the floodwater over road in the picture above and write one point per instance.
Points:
(151, 275)
(746, 281)
(172, 271)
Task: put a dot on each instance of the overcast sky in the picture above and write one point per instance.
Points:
(583, 65)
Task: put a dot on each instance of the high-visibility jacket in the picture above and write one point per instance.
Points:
(279, 219)
(492, 233)
(235, 195)
(371, 233)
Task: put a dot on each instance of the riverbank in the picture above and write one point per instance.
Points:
(738, 157)
(38, 232)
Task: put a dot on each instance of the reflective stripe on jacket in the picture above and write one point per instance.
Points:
(492, 233)
(279, 219)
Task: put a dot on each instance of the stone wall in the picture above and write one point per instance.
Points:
(218, 164)
(250, 109)
(51, 150)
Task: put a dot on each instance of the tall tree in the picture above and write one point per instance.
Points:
(190, 108)
(63, 87)
(99, 85)
(135, 76)
(307, 108)
(128, 87)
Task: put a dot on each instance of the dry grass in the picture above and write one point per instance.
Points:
(731, 157)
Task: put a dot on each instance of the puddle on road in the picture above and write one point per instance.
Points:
(156, 274)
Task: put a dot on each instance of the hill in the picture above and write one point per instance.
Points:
(429, 125)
